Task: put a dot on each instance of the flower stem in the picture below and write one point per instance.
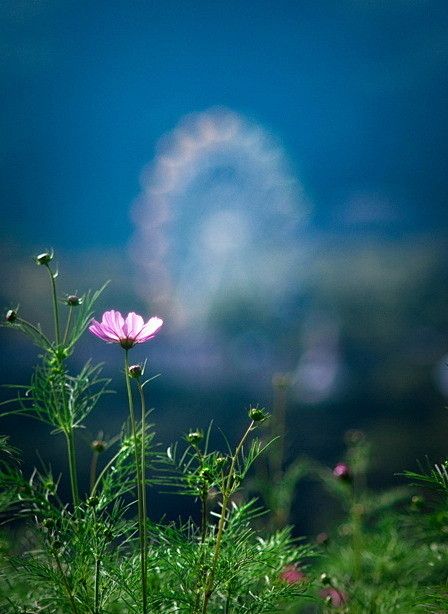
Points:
(37, 331)
(72, 468)
(143, 472)
(67, 327)
(140, 497)
(227, 606)
(227, 492)
(100, 477)
(68, 428)
(203, 517)
(204, 495)
(55, 306)
(97, 586)
(93, 465)
(65, 581)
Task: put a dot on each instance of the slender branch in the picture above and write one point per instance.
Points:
(67, 327)
(55, 306)
(37, 331)
(143, 470)
(97, 586)
(227, 492)
(204, 494)
(68, 427)
(65, 581)
(93, 465)
(141, 520)
(100, 477)
(203, 516)
(72, 467)
(227, 606)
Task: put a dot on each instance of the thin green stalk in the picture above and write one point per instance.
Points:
(141, 518)
(204, 495)
(69, 436)
(96, 585)
(203, 517)
(227, 606)
(143, 470)
(227, 492)
(93, 465)
(100, 477)
(65, 581)
(67, 428)
(38, 332)
(72, 467)
(67, 327)
(55, 306)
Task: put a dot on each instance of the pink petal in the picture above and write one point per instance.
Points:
(133, 325)
(113, 321)
(100, 331)
(149, 329)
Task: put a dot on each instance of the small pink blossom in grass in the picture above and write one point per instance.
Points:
(291, 574)
(113, 328)
(343, 472)
(333, 596)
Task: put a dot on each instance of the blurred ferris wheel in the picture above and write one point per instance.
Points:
(220, 214)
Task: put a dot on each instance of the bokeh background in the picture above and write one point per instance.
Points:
(269, 177)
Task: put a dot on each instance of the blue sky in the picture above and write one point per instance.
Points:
(355, 91)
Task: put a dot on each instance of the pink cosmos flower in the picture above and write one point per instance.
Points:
(342, 471)
(292, 574)
(113, 328)
(334, 597)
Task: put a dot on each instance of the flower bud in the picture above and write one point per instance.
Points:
(11, 315)
(334, 597)
(325, 579)
(291, 574)
(73, 300)
(205, 473)
(194, 436)
(57, 544)
(98, 445)
(50, 486)
(417, 503)
(92, 501)
(257, 415)
(135, 371)
(44, 258)
(343, 472)
(48, 523)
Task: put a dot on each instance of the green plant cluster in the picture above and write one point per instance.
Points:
(94, 554)
(90, 555)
